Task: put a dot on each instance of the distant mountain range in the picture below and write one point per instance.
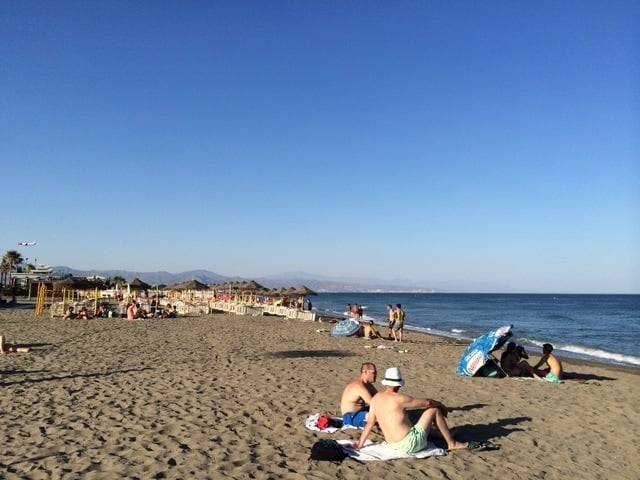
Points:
(296, 279)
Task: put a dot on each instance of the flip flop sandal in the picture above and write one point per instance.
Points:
(482, 446)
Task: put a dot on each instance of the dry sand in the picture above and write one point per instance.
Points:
(224, 396)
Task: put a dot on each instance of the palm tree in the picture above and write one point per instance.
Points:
(11, 258)
(112, 282)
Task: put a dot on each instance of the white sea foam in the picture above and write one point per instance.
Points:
(586, 352)
(578, 326)
(594, 352)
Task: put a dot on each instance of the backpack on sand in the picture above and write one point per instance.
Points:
(327, 449)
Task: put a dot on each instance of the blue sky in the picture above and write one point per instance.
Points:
(449, 144)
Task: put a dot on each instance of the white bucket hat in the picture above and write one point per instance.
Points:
(393, 377)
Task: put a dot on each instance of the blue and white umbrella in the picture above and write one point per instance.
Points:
(478, 351)
(345, 328)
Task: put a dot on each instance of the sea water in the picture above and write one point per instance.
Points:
(601, 328)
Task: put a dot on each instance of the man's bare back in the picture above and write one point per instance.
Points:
(555, 366)
(389, 410)
(549, 359)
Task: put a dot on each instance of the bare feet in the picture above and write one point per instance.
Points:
(455, 445)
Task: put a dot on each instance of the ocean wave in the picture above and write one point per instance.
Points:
(587, 352)
(599, 328)
(601, 354)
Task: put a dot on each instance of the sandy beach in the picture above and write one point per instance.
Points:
(226, 396)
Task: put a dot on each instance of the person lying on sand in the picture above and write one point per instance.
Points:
(70, 315)
(10, 348)
(553, 372)
(389, 409)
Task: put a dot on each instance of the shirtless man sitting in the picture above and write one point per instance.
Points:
(357, 396)
(512, 363)
(367, 330)
(553, 372)
(370, 330)
(134, 311)
(389, 409)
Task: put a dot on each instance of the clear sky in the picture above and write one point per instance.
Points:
(444, 143)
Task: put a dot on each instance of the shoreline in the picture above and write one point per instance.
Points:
(563, 356)
(565, 359)
(26, 304)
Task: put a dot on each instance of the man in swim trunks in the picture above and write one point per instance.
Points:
(389, 409)
(357, 396)
(391, 319)
(553, 372)
(398, 325)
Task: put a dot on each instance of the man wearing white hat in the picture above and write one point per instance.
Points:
(389, 409)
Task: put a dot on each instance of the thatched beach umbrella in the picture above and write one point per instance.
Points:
(191, 285)
(251, 288)
(276, 292)
(137, 284)
(73, 283)
(290, 292)
(304, 291)
(253, 285)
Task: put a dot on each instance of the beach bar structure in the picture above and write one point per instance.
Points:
(275, 310)
(243, 298)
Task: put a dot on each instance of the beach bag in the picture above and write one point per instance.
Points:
(327, 449)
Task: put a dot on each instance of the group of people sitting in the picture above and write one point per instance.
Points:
(71, 314)
(133, 311)
(364, 407)
(513, 363)
(367, 330)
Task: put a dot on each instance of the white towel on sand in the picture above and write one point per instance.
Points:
(379, 451)
(312, 420)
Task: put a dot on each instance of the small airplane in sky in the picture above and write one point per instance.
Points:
(27, 244)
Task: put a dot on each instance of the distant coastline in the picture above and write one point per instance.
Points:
(319, 283)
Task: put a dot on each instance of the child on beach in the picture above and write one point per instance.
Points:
(553, 372)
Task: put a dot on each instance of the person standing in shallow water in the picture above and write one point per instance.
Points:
(398, 326)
